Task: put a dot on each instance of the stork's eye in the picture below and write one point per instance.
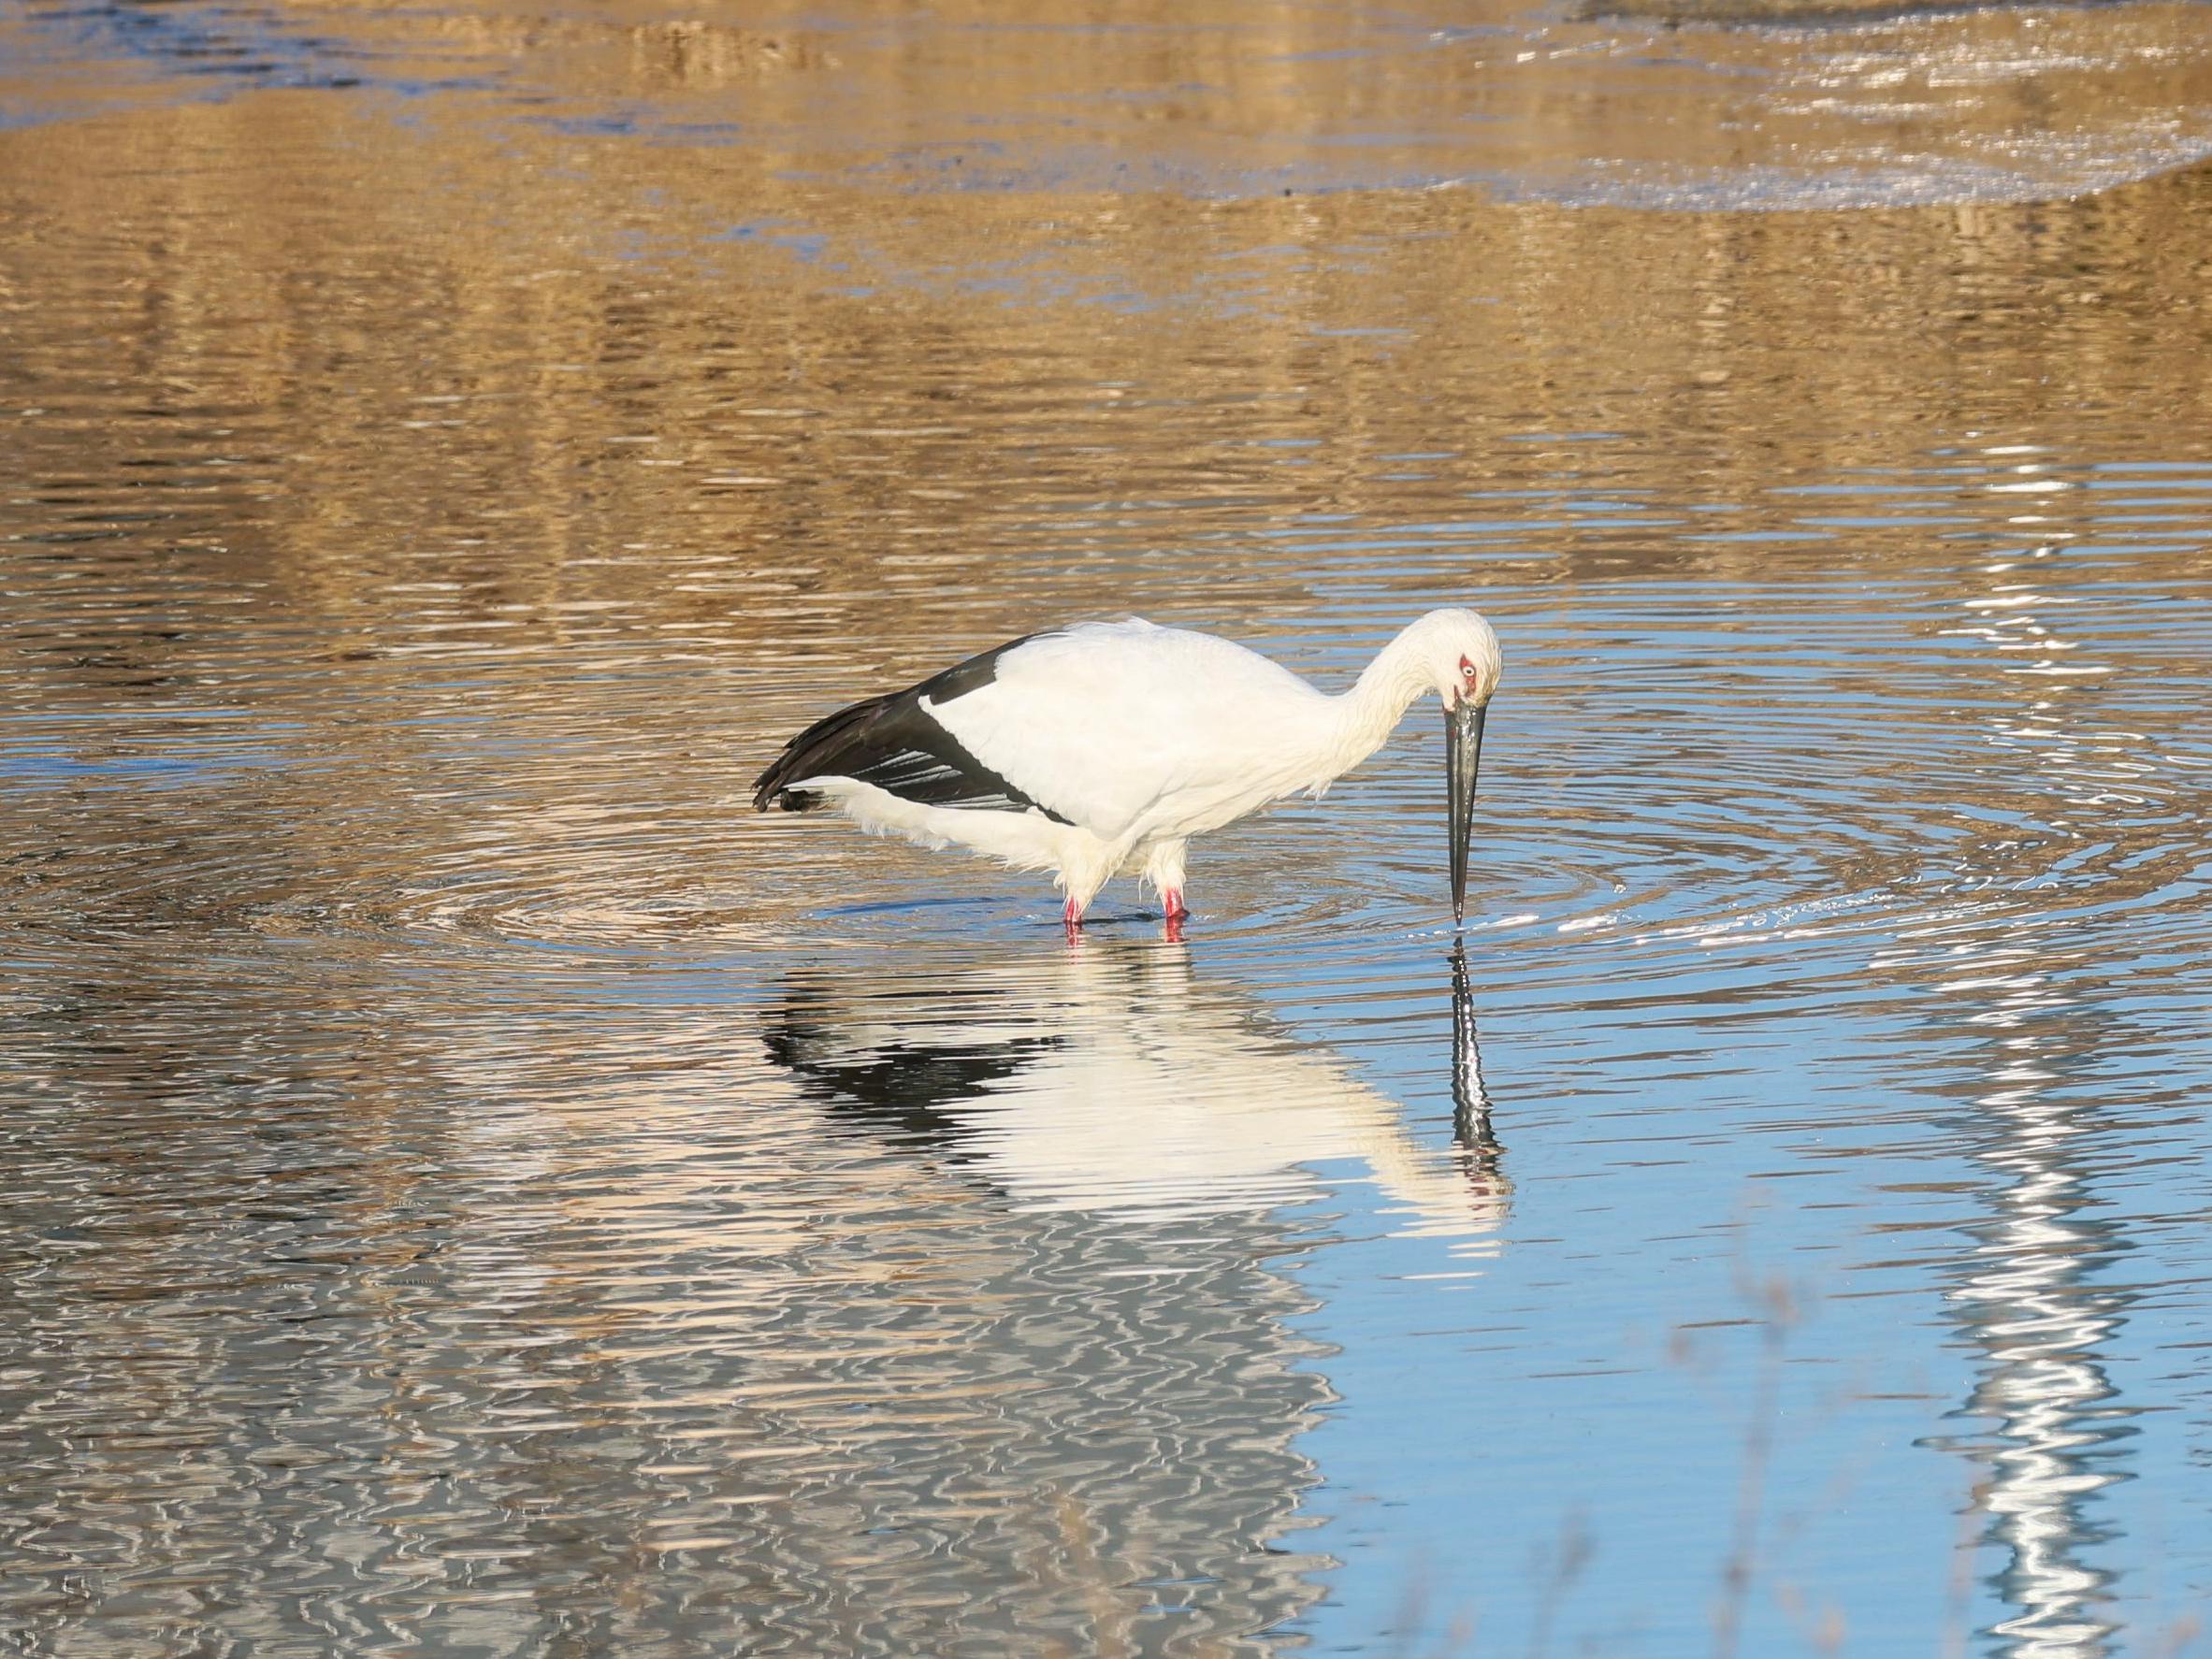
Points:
(1467, 671)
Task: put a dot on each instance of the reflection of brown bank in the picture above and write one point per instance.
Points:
(1116, 1080)
(578, 476)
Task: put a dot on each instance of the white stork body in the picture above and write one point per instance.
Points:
(1105, 747)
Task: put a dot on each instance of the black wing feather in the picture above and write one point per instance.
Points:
(892, 743)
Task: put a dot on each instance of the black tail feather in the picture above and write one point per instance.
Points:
(819, 751)
(896, 743)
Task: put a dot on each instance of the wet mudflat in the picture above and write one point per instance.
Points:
(473, 1188)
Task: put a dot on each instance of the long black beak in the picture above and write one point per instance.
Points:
(1463, 755)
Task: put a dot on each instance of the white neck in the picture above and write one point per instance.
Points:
(1370, 710)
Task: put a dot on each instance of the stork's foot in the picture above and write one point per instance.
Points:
(1171, 901)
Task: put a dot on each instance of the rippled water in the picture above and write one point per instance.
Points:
(473, 1188)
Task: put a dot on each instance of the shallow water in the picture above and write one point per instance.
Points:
(475, 1189)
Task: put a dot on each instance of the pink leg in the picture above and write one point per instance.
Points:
(1172, 902)
(1071, 915)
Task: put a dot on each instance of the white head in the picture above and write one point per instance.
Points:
(1457, 653)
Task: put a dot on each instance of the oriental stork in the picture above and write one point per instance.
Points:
(1105, 747)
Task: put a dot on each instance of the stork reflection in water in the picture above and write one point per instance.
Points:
(1118, 1081)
